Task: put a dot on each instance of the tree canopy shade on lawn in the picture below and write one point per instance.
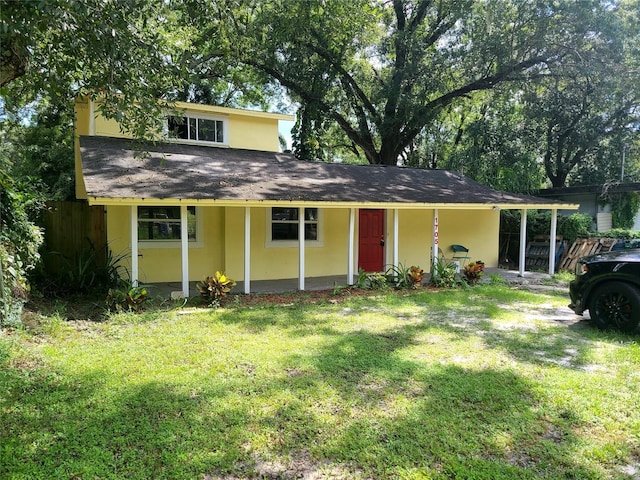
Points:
(383, 71)
(484, 383)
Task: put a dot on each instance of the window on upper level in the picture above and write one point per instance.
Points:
(198, 129)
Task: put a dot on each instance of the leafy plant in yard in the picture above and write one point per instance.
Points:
(361, 281)
(416, 275)
(20, 239)
(371, 280)
(443, 274)
(88, 269)
(377, 281)
(402, 277)
(214, 289)
(398, 276)
(473, 271)
(127, 298)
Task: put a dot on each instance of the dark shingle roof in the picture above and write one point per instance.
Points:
(113, 168)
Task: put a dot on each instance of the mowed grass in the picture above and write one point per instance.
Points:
(481, 383)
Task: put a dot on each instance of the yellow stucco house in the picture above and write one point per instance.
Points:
(216, 194)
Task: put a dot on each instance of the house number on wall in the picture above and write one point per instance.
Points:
(435, 229)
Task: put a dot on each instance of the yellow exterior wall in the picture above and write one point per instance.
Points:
(107, 128)
(478, 230)
(269, 263)
(253, 133)
(415, 230)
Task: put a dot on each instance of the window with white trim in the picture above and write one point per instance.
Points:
(162, 224)
(201, 129)
(283, 226)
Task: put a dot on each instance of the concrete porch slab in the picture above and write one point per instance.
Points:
(322, 283)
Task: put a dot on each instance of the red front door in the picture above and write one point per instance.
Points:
(371, 240)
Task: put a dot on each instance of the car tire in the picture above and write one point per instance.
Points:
(616, 305)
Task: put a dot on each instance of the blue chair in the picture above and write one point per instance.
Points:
(460, 252)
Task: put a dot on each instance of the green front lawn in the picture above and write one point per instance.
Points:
(481, 383)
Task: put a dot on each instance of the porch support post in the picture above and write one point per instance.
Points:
(301, 248)
(435, 241)
(552, 241)
(247, 250)
(523, 241)
(134, 244)
(395, 236)
(184, 250)
(352, 224)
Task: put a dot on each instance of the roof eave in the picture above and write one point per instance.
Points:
(95, 200)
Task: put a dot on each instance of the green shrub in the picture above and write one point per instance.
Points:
(443, 274)
(620, 233)
(371, 280)
(126, 298)
(472, 272)
(402, 277)
(90, 269)
(574, 226)
(214, 289)
(20, 239)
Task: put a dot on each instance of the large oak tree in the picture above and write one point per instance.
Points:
(383, 70)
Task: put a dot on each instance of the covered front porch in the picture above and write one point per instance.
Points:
(428, 245)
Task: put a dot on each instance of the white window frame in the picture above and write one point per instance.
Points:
(197, 117)
(294, 243)
(176, 243)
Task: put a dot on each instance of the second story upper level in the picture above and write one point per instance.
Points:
(191, 123)
(196, 124)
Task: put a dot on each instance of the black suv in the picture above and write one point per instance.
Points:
(608, 285)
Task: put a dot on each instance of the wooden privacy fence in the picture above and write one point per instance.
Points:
(71, 231)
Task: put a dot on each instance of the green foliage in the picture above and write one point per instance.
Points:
(58, 49)
(37, 149)
(20, 239)
(539, 223)
(620, 233)
(126, 297)
(214, 289)
(486, 139)
(398, 276)
(624, 207)
(383, 71)
(90, 269)
(473, 271)
(401, 277)
(443, 274)
(371, 280)
(574, 226)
